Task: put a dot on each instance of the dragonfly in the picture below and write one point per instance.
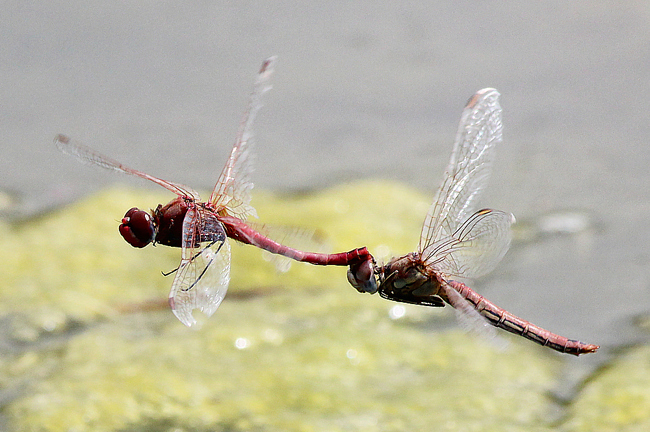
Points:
(459, 240)
(202, 228)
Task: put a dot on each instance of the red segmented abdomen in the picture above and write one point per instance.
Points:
(501, 318)
(338, 259)
(240, 231)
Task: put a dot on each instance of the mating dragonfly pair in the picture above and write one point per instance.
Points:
(456, 240)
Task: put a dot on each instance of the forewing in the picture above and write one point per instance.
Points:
(475, 248)
(202, 278)
(480, 130)
(233, 189)
(89, 156)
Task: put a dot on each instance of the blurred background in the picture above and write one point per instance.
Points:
(362, 91)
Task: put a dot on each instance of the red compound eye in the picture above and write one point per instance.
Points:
(137, 228)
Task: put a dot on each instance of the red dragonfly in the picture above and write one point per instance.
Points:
(201, 229)
(458, 241)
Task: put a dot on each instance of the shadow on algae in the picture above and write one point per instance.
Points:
(89, 343)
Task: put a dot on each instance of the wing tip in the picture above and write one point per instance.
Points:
(60, 138)
(267, 64)
(183, 309)
(183, 314)
(485, 93)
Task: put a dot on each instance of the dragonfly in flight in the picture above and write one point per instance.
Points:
(201, 229)
(457, 240)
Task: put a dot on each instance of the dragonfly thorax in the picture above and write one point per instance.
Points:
(138, 228)
(406, 280)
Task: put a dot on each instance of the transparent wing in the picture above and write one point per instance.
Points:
(89, 156)
(470, 319)
(480, 130)
(475, 248)
(233, 189)
(202, 278)
(298, 238)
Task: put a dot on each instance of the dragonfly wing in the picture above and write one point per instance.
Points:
(470, 319)
(233, 189)
(297, 238)
(202, 278)
(479, 131)
(475, 248)
(89, 156)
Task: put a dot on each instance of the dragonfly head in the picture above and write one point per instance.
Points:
(361, 276)
(138, 228)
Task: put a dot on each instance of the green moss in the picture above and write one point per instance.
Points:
(93, 345)
(618, 398)
(311, 361)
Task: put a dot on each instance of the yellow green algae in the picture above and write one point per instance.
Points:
(91, 345)
(618, 398)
